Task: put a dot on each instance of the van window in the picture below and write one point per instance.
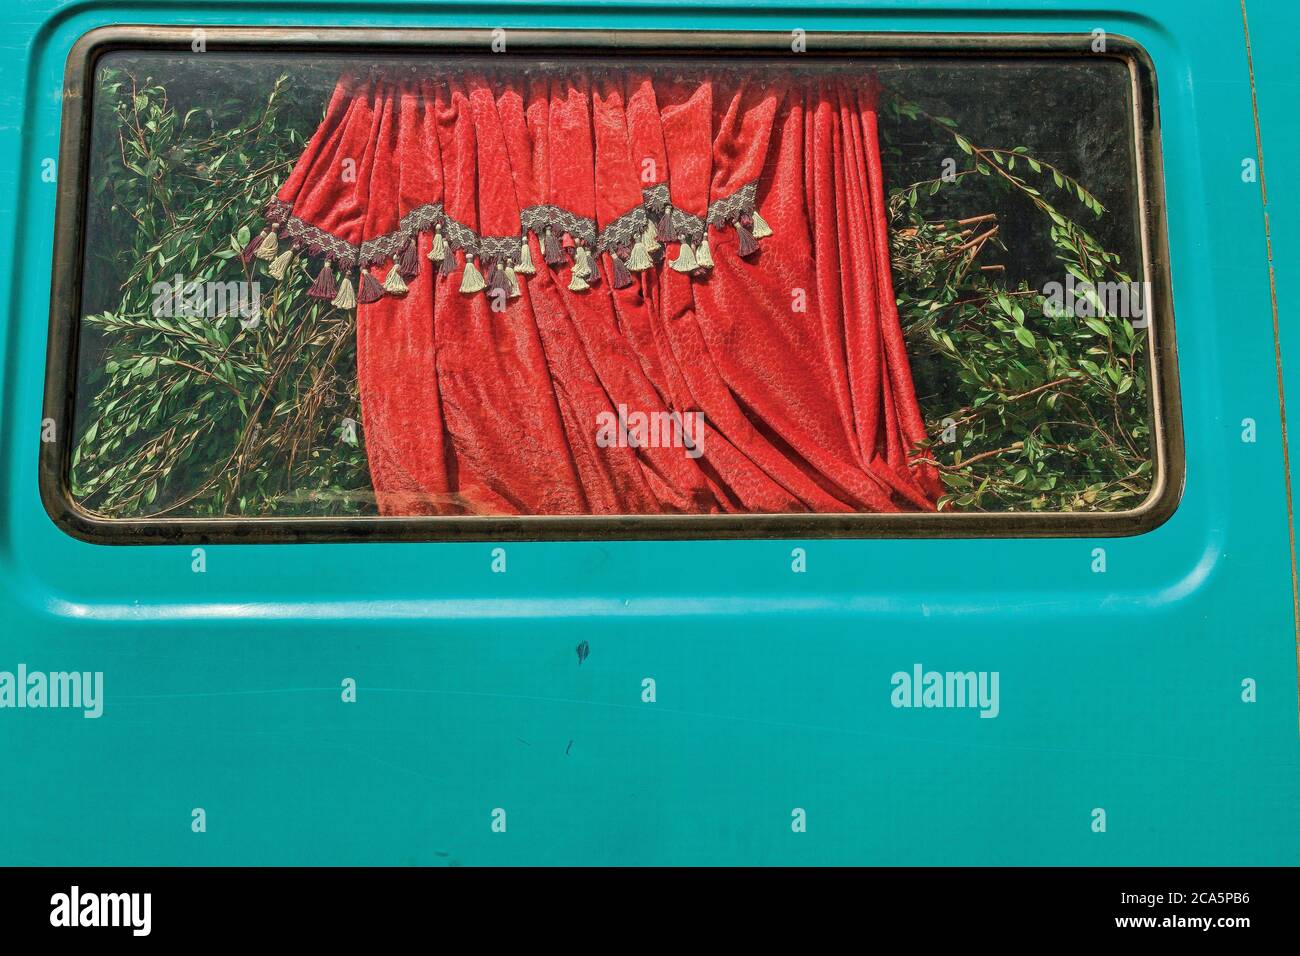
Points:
(401, 291)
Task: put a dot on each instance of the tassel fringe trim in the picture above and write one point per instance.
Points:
(633, 244)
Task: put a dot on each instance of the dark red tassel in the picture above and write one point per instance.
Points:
(747, 244)
(369, 290)
(664, 228)
(497, 280)
(324, 287)
(622, 278)
(551, 249)
(247, 254)
(409, 265)
(448, 264)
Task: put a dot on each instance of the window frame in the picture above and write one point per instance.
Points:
(1168, 452)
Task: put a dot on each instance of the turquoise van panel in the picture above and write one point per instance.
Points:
(1120, 690)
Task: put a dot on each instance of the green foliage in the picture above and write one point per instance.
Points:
(1045, 411)
(203, 416)
(209, 415)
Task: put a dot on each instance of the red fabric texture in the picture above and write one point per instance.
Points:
(791, 355)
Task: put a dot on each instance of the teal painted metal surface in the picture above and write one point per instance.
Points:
(1119, 690)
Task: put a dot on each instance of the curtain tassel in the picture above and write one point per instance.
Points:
(438, 253)
(250, 250)
(582, 262)
(276, 269)
(345, 299)
(497, 280)
(369, 290)
(703, 254)
(269, 246)
(410, 261)
(472, 280)
(525, 266)
(685, 261)
(664, 229)
(551, 249)
(747, 244)
(324, 287)
(447, 265)
(622, 278)
(394, 283)
(639, 260)
(577, 283)
(760, 229)
(650, 239)
(512, 280)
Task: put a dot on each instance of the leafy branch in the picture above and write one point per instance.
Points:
(1029, 406)
(210, 411)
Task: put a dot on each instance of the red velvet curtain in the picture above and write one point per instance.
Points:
(535, 253)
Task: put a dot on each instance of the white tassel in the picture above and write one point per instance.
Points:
(472, 280)
(639, 260)
(650, 238)
(394, 282)
(525, 266)
(270, 245)
(685, 261)
(346, 298)
(439, 250)
(276, 269)
(582, 262)
(704, 255)
(761, 229)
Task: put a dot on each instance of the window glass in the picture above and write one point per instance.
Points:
(405, 285)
